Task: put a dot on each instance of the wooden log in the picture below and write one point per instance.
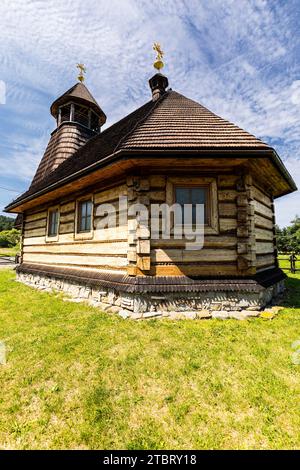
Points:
(227, 195)
(41, 223)
(70, 206)
(242, 215)
(261, 197)
(143, 263)
(227, 225)
(36, 216)
(227, 181)
(35, 232)
(262, 222)
(264, 247)
(175, 255)
(110, 194)
(70, 217)
(262, 210)
(263, 234)
(227, 209)
(143, 247)
(265, 260)
(117, 248)
(157, 196)
(194, 270)
(67, 228)
(157, 181)
(83, 259)
(218, 241)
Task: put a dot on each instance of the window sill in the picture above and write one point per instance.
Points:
(84, 235)
(51, 239)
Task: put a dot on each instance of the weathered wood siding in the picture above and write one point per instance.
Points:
(265, 241)
(105, 249)
(219, 254)
(241, 242)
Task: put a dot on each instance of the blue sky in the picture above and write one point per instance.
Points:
(239, 58)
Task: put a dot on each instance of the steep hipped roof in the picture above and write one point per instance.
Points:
(179, 122)
(172, 122)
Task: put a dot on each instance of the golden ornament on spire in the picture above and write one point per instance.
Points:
(158, 64)
(82, 70)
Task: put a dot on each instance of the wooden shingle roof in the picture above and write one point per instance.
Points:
(179, 122)
(173, 122)
(79, 93)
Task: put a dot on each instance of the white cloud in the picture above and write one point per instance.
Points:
(237, 58)
(288, 206)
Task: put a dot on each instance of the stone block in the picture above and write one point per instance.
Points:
(190, 315)
(201, 314)
(124, 314)
(250, 313)
(152, 314)
(237, 315)
(220, 314)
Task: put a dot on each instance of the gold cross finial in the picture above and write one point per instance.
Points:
(158, 64)
(82, 70)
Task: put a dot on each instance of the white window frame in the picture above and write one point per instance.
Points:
(212, 226)
(84, 235)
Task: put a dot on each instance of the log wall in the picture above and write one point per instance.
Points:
(105, 249)
(265, 240)
(219, 253)
(241, 243)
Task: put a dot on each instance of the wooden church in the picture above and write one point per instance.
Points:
(170, 150)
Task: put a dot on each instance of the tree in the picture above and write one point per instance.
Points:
(9, 238)
(6, 223)
(288, 238)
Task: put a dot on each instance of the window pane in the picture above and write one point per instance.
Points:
(183, 196)
(191, 195)
(85, 216)
(53, 223)
(88, 208)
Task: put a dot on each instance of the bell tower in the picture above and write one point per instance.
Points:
(78, 118)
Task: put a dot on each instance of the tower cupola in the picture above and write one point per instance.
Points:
(79, 118)
(79, 106)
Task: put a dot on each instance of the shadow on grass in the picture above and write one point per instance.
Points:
(291, 298)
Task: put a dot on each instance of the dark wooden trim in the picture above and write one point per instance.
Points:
(146, 284)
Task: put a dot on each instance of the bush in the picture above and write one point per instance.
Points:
(9, 238)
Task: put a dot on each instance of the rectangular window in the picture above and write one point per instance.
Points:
(53, 222)
(85, 216)
(191, 195)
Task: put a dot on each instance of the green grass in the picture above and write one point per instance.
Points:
(12, 251)
(77, 378)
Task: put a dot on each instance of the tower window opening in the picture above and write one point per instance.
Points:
(81, 115)
(65, 113)
(94, 122)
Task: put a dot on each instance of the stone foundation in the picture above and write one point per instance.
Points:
(212, 304)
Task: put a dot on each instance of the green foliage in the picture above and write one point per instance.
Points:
(78, 378)
(9, 238)
(6, 223)
(288, 238)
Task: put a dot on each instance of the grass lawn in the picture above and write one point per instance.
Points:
(284, 262)
(9, 251)
(77, 378)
